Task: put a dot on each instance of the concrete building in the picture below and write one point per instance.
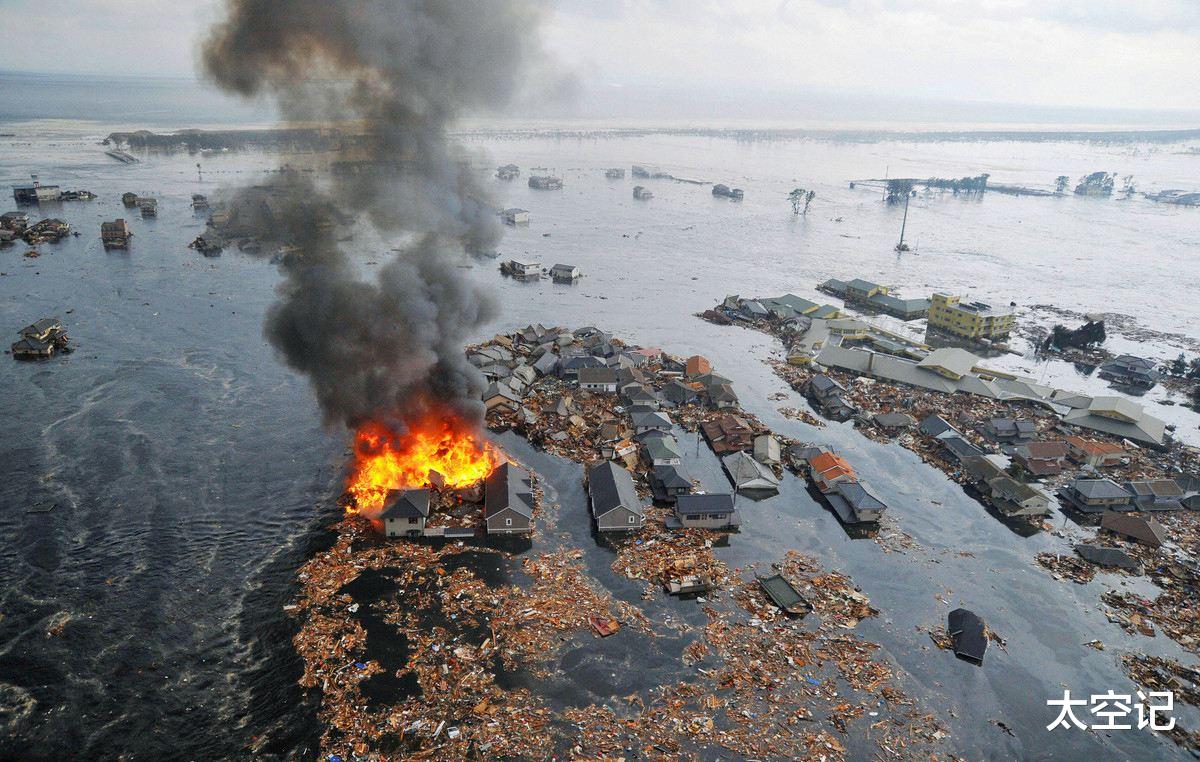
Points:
(36, 193)
(766, 450)
(972, 320)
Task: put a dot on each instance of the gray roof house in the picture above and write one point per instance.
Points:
(705, 511)
(1096, 496)
(1010, 430)
(645, 421)
(546, 364)
(569, 365)
(748, 475)
(766, 450)
(679, 393)
(405, 512)
(894, 422)
(598, 380)
(854, 503)
(615, 504)
(1156, 494)
(663, 451)
(669, 482)
(1128, 370)
(508, 500)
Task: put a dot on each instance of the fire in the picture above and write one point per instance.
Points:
(384, 462)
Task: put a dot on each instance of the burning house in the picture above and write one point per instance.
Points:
(405, 512)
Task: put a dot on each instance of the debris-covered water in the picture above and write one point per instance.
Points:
(186, 473)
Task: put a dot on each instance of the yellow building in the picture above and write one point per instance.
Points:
(973, 320)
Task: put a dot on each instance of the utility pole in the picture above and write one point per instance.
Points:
(904, 222)
(199, 173)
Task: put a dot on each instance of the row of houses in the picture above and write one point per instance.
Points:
(508, 506)
(952, 370)
(528, 269)
(993, 474)
(873, 297)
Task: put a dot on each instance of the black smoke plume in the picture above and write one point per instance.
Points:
(390, 76)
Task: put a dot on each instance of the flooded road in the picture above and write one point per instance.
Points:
(189, 474)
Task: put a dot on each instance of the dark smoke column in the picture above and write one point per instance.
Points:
(396, 72)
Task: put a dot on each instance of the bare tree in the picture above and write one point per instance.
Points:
(801, 199)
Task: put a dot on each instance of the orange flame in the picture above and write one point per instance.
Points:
(443, 445)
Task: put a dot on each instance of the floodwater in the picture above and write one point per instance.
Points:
(187, 472)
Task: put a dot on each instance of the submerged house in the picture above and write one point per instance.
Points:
(1041, 458)
(828, 470)
(662, 451)
(562, 272)
(1014, 498)
(1010, 430)
(545, 182)
(854, 503)
(115, 234)
(1094, 453)
(515, 216)
(748, 475)
(508, 500)
(1128, 370)
(706, 511)
(615, 504)
(405, 512)
(1155, 494)
(1096, 496)
(668, 482)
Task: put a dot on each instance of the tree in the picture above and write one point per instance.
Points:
(898, 190)
(800, 199)
(1194, 370)
(1178, 366)
(1061, 183)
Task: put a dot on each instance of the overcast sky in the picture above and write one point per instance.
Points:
(1140, 54)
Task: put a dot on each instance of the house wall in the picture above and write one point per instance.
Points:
(617, 520)
(499, 523)
(705, 520)
(401, 527)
